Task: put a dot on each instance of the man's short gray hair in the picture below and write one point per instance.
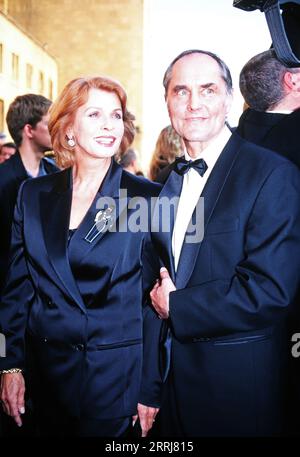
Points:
(128, 158)
(225, 72)
(261, 81)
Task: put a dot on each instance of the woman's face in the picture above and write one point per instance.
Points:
(98, 126)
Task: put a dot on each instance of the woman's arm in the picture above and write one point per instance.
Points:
(17, 295)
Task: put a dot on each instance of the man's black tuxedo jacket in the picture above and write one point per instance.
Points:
(227, 316)
(12, 174)
(81, 305)
(278, 132)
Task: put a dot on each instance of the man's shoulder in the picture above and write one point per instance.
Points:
(260, 154)
(288, 126)
(44, 183)
(257, 164)
(6, 167)
(7, 172)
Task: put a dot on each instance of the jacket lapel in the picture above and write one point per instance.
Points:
(163, 219)
(18, 166)
(211, 194)
(55, 207)
(49, 166)
(107, 196)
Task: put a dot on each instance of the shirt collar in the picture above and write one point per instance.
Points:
(280, 111)
(42, 170)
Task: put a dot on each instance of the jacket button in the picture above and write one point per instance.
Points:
(79, 347)
(50, 304)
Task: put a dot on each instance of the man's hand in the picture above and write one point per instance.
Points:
(160, 294)
(12, 395)
(147, 417)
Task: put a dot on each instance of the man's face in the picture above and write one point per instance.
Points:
(7, 152)
(41, 135)
(197, 99)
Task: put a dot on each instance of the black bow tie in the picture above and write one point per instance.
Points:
(182, 166)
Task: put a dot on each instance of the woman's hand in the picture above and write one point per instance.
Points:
(12, 395)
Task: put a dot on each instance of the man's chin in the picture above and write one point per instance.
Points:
(195, 138)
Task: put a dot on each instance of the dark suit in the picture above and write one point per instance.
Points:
(227, 316)
(83, 302)
(278, 132)
(12, 174)
(163, 174)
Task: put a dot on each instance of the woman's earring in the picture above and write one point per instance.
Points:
(71, 142)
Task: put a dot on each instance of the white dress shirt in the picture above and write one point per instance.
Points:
(192, 188)
(280, 111)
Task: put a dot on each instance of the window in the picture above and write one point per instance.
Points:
(29, 73)
(1, 115)
(1, 57)
(15, 66)
(50, 89)
(41, 82)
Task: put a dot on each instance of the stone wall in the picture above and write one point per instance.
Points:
(92, 37)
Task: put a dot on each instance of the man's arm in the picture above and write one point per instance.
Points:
(149, 400)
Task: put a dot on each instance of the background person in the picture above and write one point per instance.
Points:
(272, 120)
(6, 151)
(272, 92)
(27, 121)
(168, 147)
(129, 161)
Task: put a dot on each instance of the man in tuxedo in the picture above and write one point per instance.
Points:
(27, 121)
(222, 302)
(272, 92)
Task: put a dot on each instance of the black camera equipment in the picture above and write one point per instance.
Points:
(284, 26)
(251, 5)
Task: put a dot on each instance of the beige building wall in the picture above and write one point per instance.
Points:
(89, 37)
(25, 67)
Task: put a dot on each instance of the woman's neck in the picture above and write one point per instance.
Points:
(90, 174)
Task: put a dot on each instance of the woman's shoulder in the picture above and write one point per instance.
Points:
(139, 186)
(47, 182)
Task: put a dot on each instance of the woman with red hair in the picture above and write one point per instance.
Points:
(72, 311)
